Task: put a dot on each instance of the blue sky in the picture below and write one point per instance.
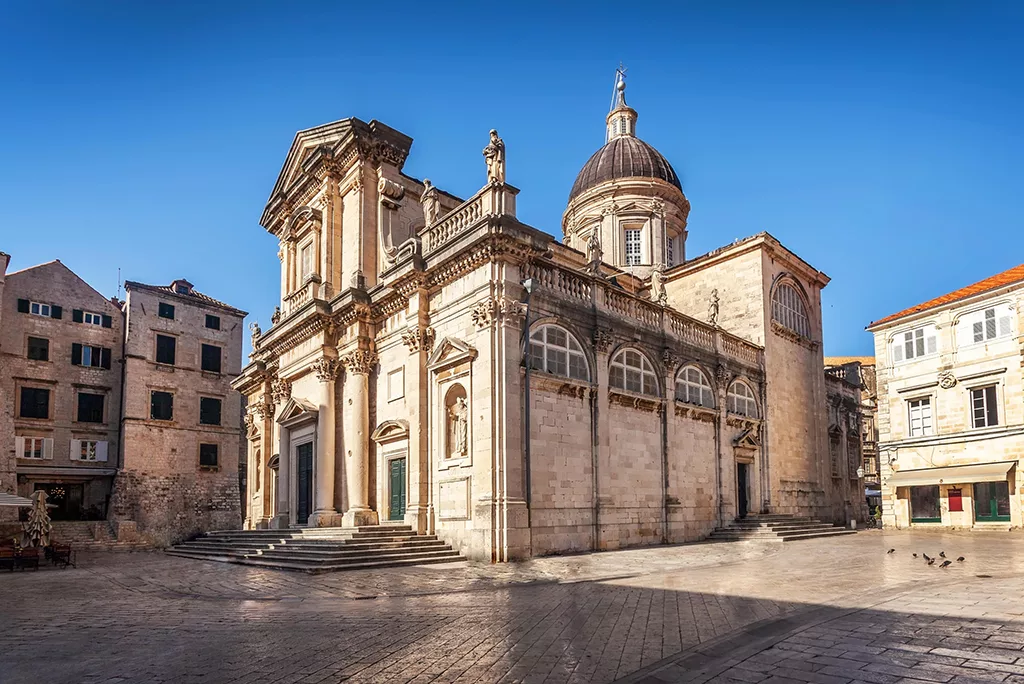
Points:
(881, 141)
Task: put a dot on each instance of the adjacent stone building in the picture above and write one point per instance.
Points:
(951, 408)
(121, 411)
(859, 371)
(662, 396)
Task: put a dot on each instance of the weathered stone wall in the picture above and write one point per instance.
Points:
(8, 478)
(692, 482)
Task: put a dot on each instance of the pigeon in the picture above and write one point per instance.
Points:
(946, 564)
(915, 555)
(891, 551)
(926, 557)
(942, 554)
(931, 561)
(961, 559)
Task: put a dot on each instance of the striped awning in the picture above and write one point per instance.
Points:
(963, 474)
(14, 500)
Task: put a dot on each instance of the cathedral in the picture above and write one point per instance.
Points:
(436, 362)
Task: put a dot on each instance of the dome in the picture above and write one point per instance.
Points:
(624, 157)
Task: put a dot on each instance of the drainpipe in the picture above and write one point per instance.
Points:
(529, 286)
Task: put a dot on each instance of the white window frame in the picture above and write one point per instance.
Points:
(90, 318)
(695, 386)
(981, 392)
(549, 354)
(622, 371)
(790, 311)
(39, 309)
(32, 446)
(305, 261)
(742, 403)
(914, 344)
(633, 248)
(923, 424)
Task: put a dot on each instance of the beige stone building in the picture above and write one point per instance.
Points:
(950, 409)
(859, 372)
(122, 411)
(663, 397)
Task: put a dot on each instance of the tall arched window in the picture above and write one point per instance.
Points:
(692, 386)
(554, 350)
(631, 371)
(789, 311)
(741, 399)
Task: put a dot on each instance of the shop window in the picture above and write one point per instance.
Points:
(924, 504)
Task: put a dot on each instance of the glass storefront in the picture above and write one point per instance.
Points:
(991, 501)
(924, 504)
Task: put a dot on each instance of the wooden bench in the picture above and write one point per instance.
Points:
(62, 555)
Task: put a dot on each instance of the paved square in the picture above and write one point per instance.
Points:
(815, 611)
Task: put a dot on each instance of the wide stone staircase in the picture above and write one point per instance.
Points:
(323, 549)
(777, 528)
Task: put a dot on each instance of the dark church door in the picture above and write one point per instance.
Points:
(741, 490)
(304, 465)
(396, 483)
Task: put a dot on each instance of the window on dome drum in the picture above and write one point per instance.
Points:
(692, 387)
(554, 350)
(631, 371)
(984, 410)
(920, 416)
(788, 310)
(632, 237)
(741, 400)
(914, 344)
(165, 310)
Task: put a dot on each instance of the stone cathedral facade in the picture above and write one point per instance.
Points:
(435, 361)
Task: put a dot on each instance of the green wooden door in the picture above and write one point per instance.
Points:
(991, 501)
(304, 468)
(396, 479)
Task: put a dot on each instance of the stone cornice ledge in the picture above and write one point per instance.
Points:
(635, 401)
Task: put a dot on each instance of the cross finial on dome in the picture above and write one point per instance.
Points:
(621, 120)
(619, 92)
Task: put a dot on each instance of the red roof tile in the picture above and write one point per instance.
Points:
(1014, 275)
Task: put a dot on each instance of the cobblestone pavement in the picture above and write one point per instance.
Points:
(704, 612)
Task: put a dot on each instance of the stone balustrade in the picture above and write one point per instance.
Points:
(496, 199)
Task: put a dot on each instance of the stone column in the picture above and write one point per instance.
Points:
(726, 469)
(324, 514)
(283, 515)
(419, 338)
(357, 438)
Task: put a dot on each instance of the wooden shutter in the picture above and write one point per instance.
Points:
(105, 358)
(48, 448)
(101, 451)
(19, 447)
(979, 331)
(76, 450)
(107, 321)
(897, 351)
(930, 344)
(1005, 326)
(76, 315)
(22, 306)
(76, 354)
(56, 312)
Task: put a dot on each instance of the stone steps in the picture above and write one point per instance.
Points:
(317, 550)
(777, 528)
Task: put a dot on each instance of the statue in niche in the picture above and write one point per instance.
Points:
(494, 155)
(658, 292)
(430, 201)
(458, 421)
(713, 308)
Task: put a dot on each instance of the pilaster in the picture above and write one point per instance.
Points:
(358, 364)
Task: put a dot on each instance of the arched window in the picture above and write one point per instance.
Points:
(741, 399)
(554, 350)
(631, 371)
(788, 310)
(692, 386)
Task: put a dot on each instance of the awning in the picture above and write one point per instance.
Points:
(979, 472)
(13, 500)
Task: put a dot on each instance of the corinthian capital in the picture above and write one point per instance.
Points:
(360, 361)
(326, 369)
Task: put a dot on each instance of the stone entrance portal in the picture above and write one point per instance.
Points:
(396, 488)
(304, 480)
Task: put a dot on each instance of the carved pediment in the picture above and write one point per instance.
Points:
(253, 433)
(297, 410)
(748, 439)
(390, 431)
(450, 351)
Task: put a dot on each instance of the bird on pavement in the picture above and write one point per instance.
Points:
(891, 551)
(931, 561)
(926, 556)
(942, 554)
(961, 559)
(946, 564)
(915, 555)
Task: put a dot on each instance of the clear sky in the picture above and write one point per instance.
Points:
(881, 141)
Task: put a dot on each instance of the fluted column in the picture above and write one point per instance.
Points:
(324, 513)
(358, 365)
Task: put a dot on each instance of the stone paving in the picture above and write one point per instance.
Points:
(815, 611)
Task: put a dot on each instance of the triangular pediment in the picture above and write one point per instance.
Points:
(253, 432)
(296, 410)
(449, 351)
(748, 439)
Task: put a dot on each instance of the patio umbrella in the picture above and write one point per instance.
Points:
(14, 500)
(37, 529)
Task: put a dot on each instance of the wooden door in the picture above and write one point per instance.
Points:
(304, 466)
(396, 485)
(741, 490)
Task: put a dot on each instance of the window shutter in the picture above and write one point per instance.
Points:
(105, 358)
(76, 354)
(990, 405)
(76, 315)
(979, 332)
(990, 328)
(76, 450)
(22, 306)
(930, 342)
(107, 321)
(101, 451)
(19, 447)
(1005, 326)
(56, 312)
(897, 352)
(48, 448)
